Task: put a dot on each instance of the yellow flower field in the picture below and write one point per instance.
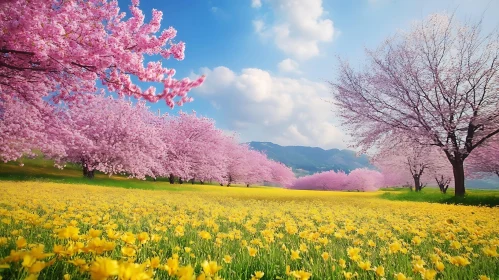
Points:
(68, 231)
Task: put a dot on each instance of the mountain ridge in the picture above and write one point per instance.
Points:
(308, 160)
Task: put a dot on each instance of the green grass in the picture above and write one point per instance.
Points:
(429, 194)
(39, 169)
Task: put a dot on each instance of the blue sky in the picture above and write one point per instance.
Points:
(267, 62)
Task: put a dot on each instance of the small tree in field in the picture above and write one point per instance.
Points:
(404, 161)
(435, 85)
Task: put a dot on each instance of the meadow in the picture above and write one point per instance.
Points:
(60, 228)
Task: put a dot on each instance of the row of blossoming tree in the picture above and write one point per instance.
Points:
(433, 87)
(56, 56)
(115, 136)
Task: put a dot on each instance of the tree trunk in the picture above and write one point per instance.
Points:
(247, 185)
(417, 183)
(180, 181)
(201, 182)
(192, 181)
(171, 179)
(88, 173)
(458, 170)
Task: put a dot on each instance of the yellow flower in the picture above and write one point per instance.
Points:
(380, 271)
(21, 242)
(371, 243)
(28, 261)
(204, 234)
(128, 251)
(36, 267)
(252, 251)
(347, 275)
(490, 251)
(227, 259)
(429, 274)
(301, 275)
(66, 277)
(325, 256)
(210, 268)
(303, 247)
(401, 276)
(416, 240)
(342, 263)
(459, 261)
(483, 277)
(185, 273)
(155, 262)
(440, 266)
(418, 266)
(94, 233)
(394, 247)
(128, 238)
(455, 245)
(143, 237)
(102, 268)
(295, 255)
(353, 253)
(257, 275)
(133, 271)
(365, 265)
(172, 265)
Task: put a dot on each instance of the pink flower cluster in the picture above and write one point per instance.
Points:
(62, 48)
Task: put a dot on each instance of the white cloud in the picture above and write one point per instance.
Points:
(288, 65)
(259, 25)
(256, 3)
(298, 27)
(264, 107)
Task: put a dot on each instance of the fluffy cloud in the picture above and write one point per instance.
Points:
(288, 65)
(298, 27)
(256, 3)
(264, 107)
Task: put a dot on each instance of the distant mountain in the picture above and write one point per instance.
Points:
(309, 160)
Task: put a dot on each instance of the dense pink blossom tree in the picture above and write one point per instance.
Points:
(485, 160)
(436, 84)
(113, 136)
(281, 174)
(196, 148)
(357, 180)
(61, 48)
(25, 128)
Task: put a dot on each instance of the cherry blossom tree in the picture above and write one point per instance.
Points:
(403, 161)
(436, 85)
(113, 136)
(24, 129)
(281, 174)
(360, 179)
(61, 48)
(196, 148)
(485, 160)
